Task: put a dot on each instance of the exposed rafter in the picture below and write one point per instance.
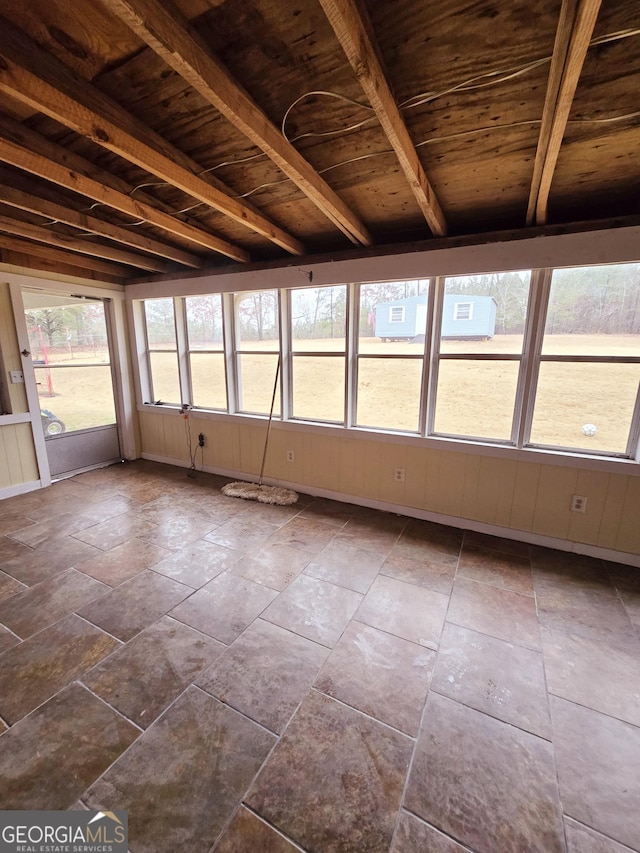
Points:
(27, 248)
(169, 34)
(574, 33)
(91, 225)
(73, 244)
(48, 166)
(38, 79)
(355, 35)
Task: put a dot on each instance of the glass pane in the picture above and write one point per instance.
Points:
(393, 317)
(318, 388)
(257, 320)
(318, 318)
(161, 327)
(256, 375)
(164, 376)
(594, 311)
(71, 334)
(485, 313)
(207, 380)
(587, 406)
(476, 398)
(204, 321)
(389, 393)
(75, 397)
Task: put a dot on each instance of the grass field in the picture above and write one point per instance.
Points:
(475, 398)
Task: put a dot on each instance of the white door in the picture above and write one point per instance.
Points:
(69, 349)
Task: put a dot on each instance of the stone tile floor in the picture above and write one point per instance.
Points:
(322, 677)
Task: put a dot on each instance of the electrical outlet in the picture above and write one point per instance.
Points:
(291, 456)
(201, 440)
(578, 503)
(398, 475)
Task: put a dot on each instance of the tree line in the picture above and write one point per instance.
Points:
(590, 300)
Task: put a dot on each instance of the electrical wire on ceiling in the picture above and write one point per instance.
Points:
(490, 77)
(448, 138)
(480, 81)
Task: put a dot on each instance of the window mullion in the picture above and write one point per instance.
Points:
(435, 305)
(351, 361)
(139, 339)
(532, 349)
(633, 445)
(286, 372)
(184, 372)
(230, 360)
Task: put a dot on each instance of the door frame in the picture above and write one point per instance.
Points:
(114, 306)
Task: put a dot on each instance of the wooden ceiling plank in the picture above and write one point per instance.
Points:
(83, 247)
(354, 33)
(42, 207)
(168, 33)
(38, 79)
(51, 170)
(575, 30)
(15, 244)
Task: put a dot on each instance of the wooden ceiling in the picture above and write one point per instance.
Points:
(142, 138)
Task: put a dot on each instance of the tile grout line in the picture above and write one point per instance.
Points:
(424, 711)
(362, 713)
(271, 826)
(114, 709)
(493, 637)
(552, 727)
(624, 847)
(462, 845)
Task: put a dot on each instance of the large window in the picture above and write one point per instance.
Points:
(163, 351)
(542, 359)
(206, 351)
(318, 352)
(390, 354)
(257, 346)
(590, 363)
(481, 346)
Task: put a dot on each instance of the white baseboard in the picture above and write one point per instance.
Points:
(20, 489)
(426, 515)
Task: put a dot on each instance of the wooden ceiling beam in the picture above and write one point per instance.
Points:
(163, 27)
(573, 35)
(33, 77)
(14, 152)
(84, 262)
(22, 200)
(354, 32)
(83, 247)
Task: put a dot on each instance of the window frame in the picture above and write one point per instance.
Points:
(632, 449)
(530, 359)
(286, 338)
(359, 356)
(233, 363)
(523, 357)
(208, 351)
(149, 350)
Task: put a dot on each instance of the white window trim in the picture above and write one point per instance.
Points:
(530, 360)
